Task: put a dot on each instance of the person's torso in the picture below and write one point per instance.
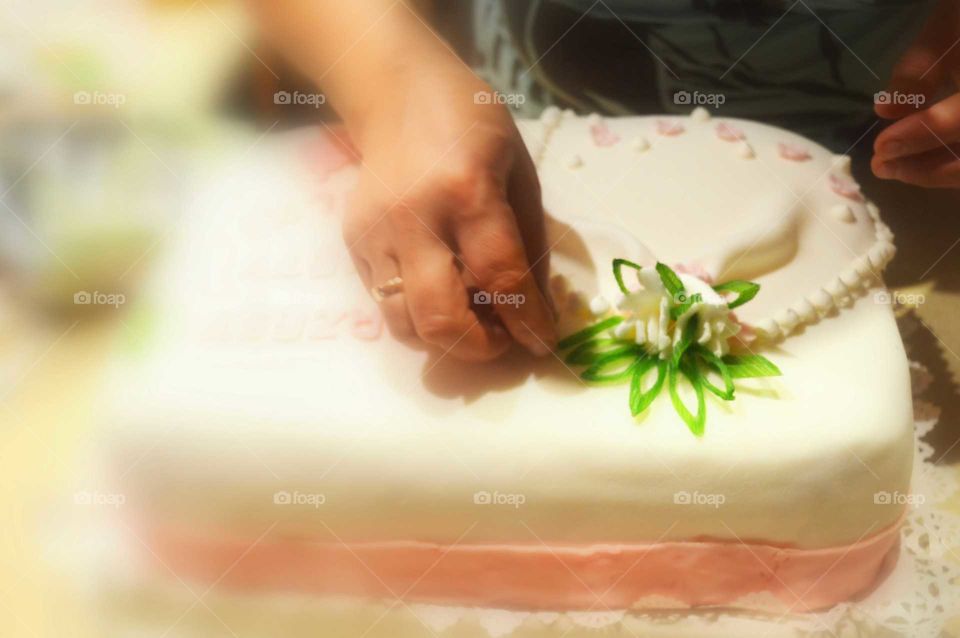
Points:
(809, 65)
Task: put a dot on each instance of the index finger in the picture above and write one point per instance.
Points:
(925, 131)
(492, 249)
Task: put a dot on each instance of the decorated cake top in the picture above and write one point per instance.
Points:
(697, 216)
(744, 201)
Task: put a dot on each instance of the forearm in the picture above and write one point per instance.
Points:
(357, 52)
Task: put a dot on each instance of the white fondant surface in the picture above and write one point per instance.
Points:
(247, 388)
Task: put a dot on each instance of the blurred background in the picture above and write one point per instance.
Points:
(111, 113)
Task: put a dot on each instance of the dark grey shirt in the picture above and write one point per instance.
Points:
(809, 65)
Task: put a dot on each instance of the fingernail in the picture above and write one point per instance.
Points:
(885, 170)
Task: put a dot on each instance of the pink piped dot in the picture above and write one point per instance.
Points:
(669, 127)
(602, 135)
(730, 133)
(793, 152)
(846, 188)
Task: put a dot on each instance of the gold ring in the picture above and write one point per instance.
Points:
(387, 289)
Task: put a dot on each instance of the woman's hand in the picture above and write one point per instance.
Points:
(448, 199)
(923, 147)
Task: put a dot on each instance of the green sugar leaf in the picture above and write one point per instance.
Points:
(750, 365)
(686, 339)
(613, 366)
(680, 300)
(641, 399)
(618, 265)
(710, 360)
(695, 422)
(745, 291)
(589, 351)
(670, 279)
(589, 332)
(623, 349)
(686, 302)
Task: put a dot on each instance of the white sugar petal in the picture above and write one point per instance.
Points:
(599, 305)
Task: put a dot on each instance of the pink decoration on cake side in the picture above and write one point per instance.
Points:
(530, 576)
(669, 128)
(730, 133)
(793, 152)
(367, 322)
(363, 321)
(846, 188)
(602, 135)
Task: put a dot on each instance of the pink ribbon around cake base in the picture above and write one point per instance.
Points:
(536, 576)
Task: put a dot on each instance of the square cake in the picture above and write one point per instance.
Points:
(273, 441)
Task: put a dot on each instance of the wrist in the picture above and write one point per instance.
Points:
(403, 86)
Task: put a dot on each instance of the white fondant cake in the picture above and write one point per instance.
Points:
(269, 408)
